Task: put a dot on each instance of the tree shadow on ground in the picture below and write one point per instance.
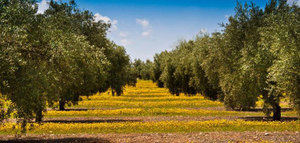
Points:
(261, 110)
(62, 140)
(76, 109)
(89, 121)
(258, 118)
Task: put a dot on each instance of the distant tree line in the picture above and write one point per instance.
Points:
(56, 56)
(142, 69)
(257, 54)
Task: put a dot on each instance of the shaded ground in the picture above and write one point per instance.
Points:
(57, 140)
(168, 137)
(261, 110)
(87, 120)
(157, 119)
(132, 119)
(283, 119)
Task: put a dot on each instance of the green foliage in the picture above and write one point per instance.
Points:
(256, 54)
(87, 63)
(23, 71)
(132, 75)
(240, 48)
(157, 68)
(143, 69)
(6, 109)
(56, 56)
(206, 65)
(280, 37)
(118, 71)
(64, 53)
(183, 72)
(168, 75)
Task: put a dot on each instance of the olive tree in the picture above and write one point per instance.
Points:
(279, 37)
(206, 65)
(168, 76)
(23, 74)
(118, 71)
(50, 57)
(89, 64)
(157, 68)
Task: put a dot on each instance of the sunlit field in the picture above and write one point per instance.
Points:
(149, 109)
(149, 71)
(158, 127)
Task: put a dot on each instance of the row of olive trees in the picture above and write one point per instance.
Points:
(56, 56)
(142, 69)
(257, 54)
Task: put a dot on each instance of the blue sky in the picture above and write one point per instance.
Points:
(146, 27)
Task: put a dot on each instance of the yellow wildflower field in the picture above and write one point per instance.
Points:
(157, 127)
(174, 114)
(155, 112)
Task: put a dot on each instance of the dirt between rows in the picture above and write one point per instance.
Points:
(163, 137)
(131, 119)
(127, 119)
(158, 118)
(153, 119)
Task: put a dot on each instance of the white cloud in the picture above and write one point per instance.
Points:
(294, 1)
(146, 27)
(114, 24)
(98, 17)
(105, 19)
(146, 33)
(143, 22)
(125, 42)
(123, 34)
(43, 6)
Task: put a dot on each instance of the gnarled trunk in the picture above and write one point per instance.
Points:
(119, 94)
(112, 92)
(39, 116)
(23, 125)
(276, 112)
(62, 105)
(274, 101)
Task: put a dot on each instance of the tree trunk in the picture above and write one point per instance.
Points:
(160, 84)
(118, 94)
(23, 125)
(39, 116)
(62, 105)
(112, 92)
(276, 112)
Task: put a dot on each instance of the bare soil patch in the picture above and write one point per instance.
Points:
(206, 137)
(58, 140)
(261, 109)
(164, 137)
(132, 119)
(259, 118)
(87, 120)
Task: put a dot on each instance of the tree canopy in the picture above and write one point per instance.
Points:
(257, 54)
(64, 53)
(56, 56)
